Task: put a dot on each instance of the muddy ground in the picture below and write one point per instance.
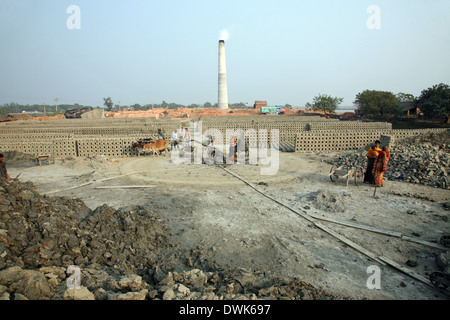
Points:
(208, 210)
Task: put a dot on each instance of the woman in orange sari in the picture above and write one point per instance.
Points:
(380, 166)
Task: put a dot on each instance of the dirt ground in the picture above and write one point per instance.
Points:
(206, 208)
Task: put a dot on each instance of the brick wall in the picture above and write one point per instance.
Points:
(328, 141)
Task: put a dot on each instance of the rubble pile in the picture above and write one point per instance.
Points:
(43, 231)
(421, 160)
(18, 157)
(120, 255)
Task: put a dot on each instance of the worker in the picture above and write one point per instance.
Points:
(371, 155)
(175, 139)
(187, 136)
(233, 146)
(380, 166)
(3, 172)
(161, 135)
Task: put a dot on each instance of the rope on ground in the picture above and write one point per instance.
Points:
(382, 260)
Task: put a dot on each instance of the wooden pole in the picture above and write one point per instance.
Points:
(125, 187)
(88, 183)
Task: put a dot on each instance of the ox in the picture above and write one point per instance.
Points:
(140, 144)
(154, 145)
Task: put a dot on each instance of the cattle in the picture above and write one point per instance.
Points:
(140, 144)
(154, 145)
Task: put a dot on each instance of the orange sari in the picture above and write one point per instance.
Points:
(380, 166)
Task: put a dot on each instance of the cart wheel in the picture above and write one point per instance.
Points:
(334, 176)
(359, 176)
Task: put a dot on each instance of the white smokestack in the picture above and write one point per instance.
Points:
(223, 90)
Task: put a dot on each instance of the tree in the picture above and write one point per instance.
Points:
(108, 103)
(207, 105)
(324, 103)
(434, 102)
(405, 97)
(137, 106)
(378, 103)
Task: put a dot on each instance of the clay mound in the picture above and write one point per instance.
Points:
(41, 231)
(97, 162)
(326, 200)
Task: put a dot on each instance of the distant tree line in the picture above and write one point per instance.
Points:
(39, 108)
(433, 102)
(108, 104)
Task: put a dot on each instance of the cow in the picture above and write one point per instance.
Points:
(140, 144)
(156, 146)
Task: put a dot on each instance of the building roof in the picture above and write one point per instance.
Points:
(407, 105)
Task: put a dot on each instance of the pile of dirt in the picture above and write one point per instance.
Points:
(97, 162)
(121, 255)
(326, 200)
(45, 231)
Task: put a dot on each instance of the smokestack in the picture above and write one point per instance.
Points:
(223, 90)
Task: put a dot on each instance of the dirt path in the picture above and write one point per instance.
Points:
(208, 209)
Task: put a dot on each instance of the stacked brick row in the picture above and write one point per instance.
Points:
(72, 138)
(114, 137)
(287, 126)
(340, 140)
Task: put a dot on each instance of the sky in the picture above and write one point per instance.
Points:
(284, 51)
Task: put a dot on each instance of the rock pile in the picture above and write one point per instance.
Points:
(119, 255)
(421, 160)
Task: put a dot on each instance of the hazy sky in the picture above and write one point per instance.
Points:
(147, 51)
